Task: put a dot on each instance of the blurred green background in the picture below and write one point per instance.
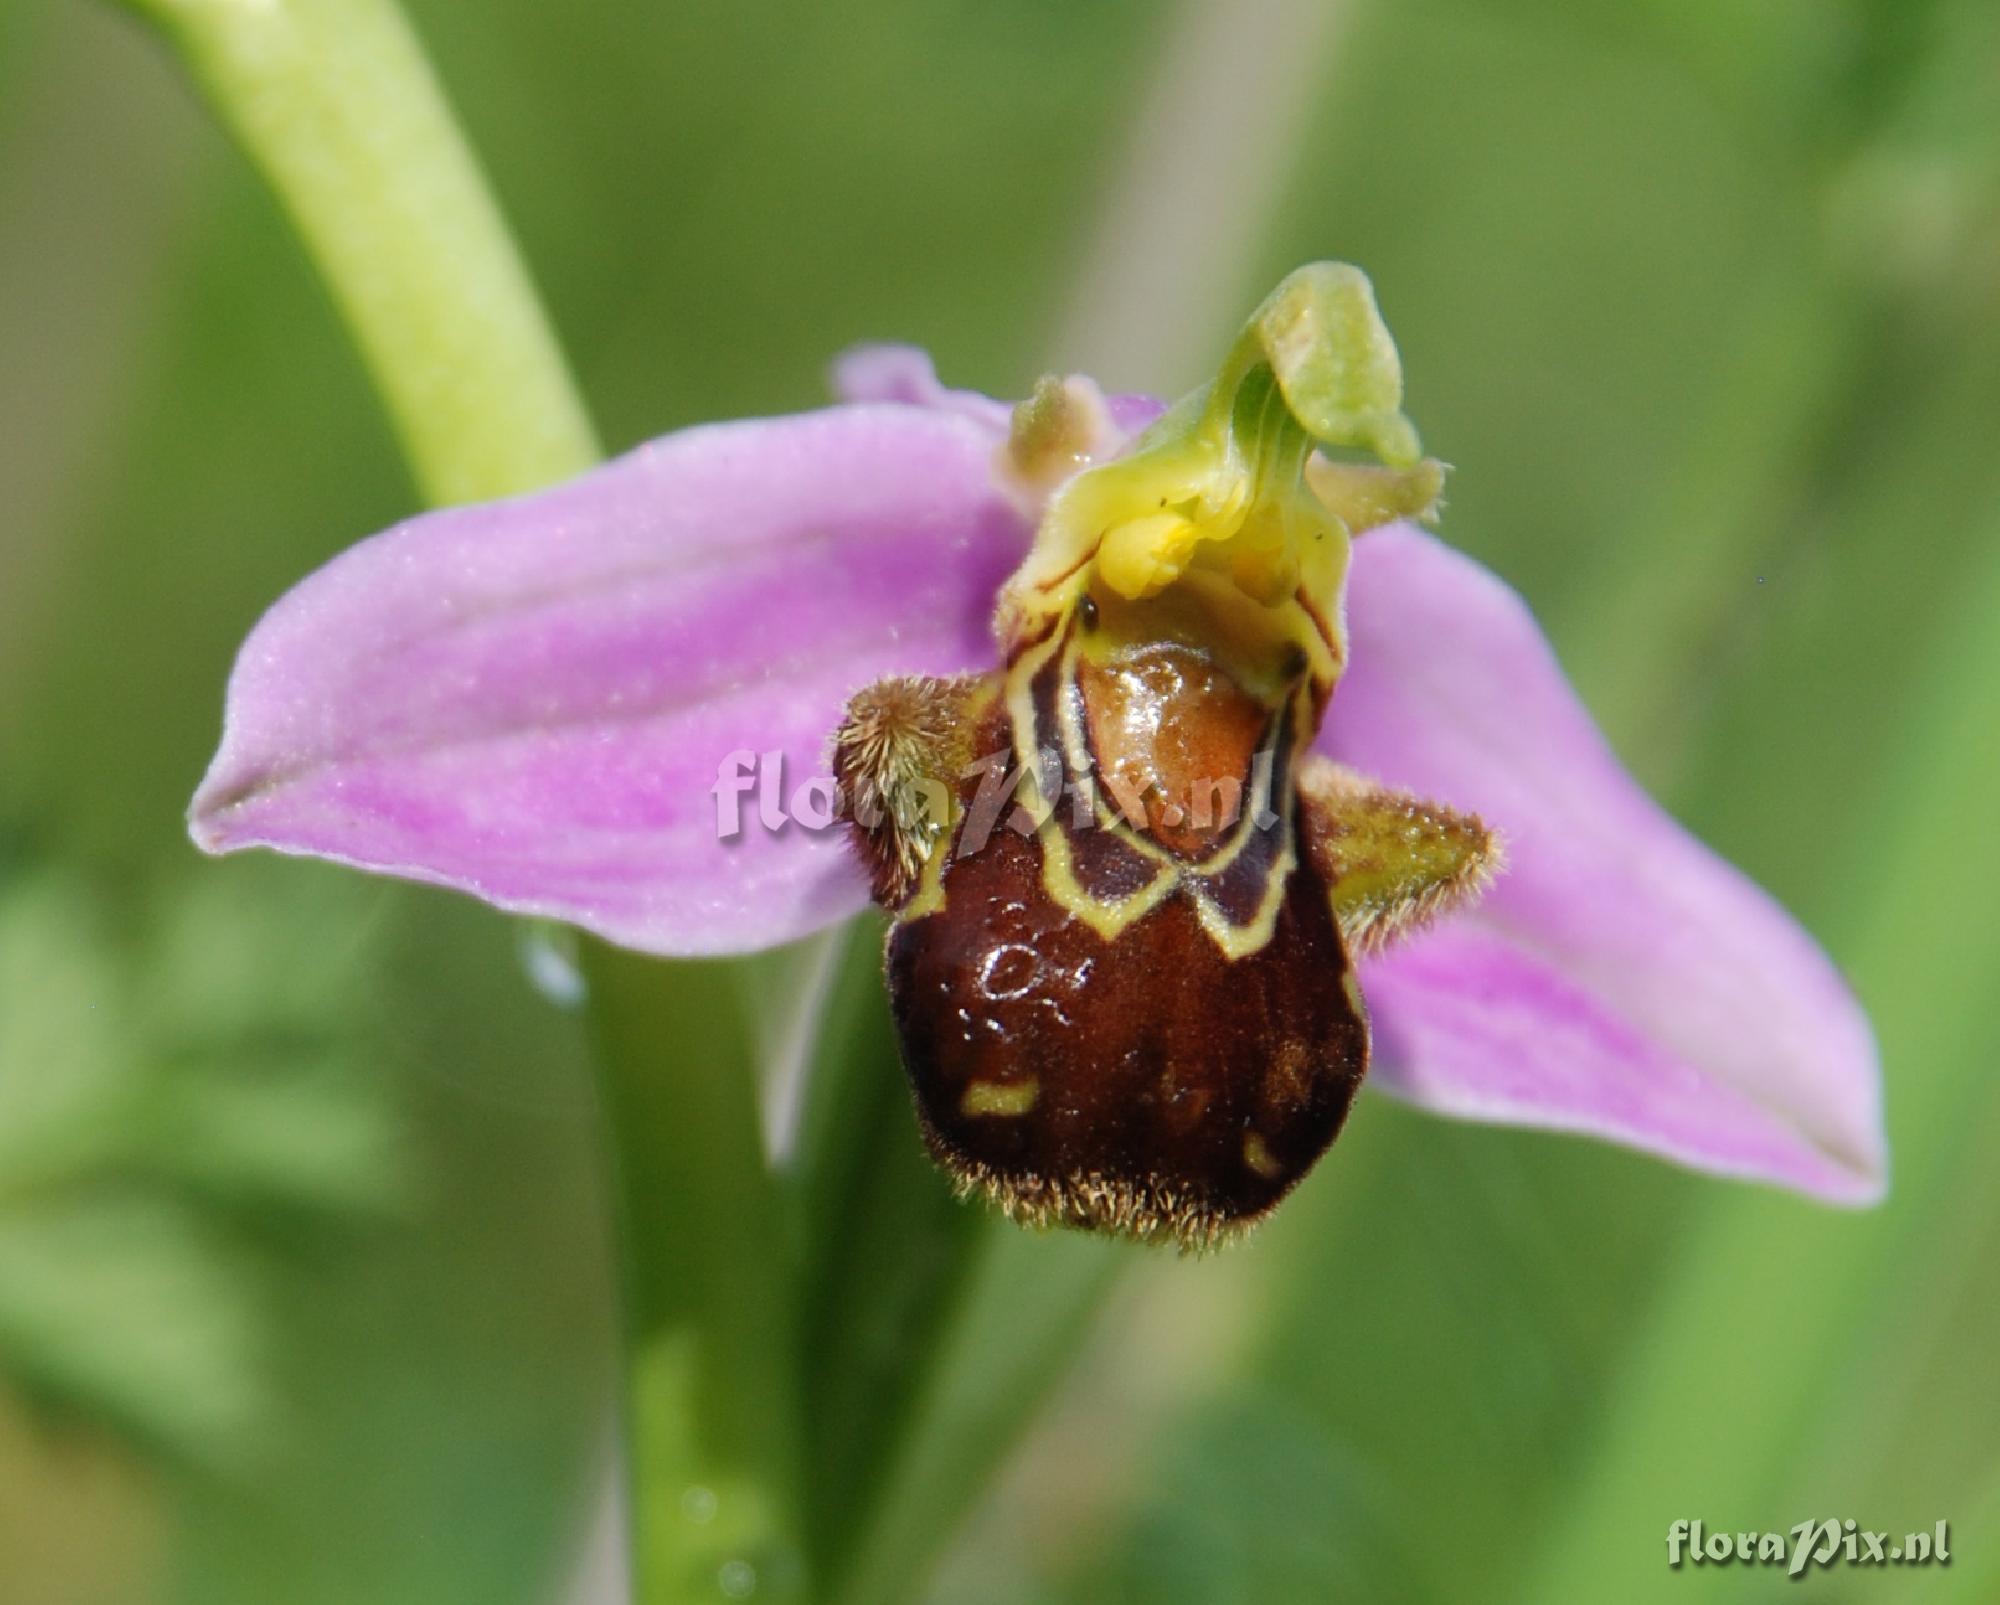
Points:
(305, 1288)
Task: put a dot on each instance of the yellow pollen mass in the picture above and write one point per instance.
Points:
(1143, 556)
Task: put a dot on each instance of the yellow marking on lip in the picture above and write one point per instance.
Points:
(1260, 1158)
(1108, 919)
(1240, 941)
(1111, 918)
(999, 1097)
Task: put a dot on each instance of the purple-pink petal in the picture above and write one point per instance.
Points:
(529, 700)
(906, 374)
(1620, 980)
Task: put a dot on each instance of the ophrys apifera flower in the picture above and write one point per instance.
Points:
(1254, 746)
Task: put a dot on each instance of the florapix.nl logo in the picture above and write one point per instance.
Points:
(1827, 1542)
(751, 791)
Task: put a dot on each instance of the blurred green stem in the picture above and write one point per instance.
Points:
(334, 101)
(714, 1384)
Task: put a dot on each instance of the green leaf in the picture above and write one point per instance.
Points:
(143, 1154)
(126, 1312)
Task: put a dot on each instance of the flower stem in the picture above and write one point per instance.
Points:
(710, 1303)
(334, 101)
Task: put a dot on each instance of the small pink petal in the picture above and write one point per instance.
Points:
(529, 700)
(906, 374)
(1620, 979)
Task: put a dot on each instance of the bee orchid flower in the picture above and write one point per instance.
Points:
(667, 701)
